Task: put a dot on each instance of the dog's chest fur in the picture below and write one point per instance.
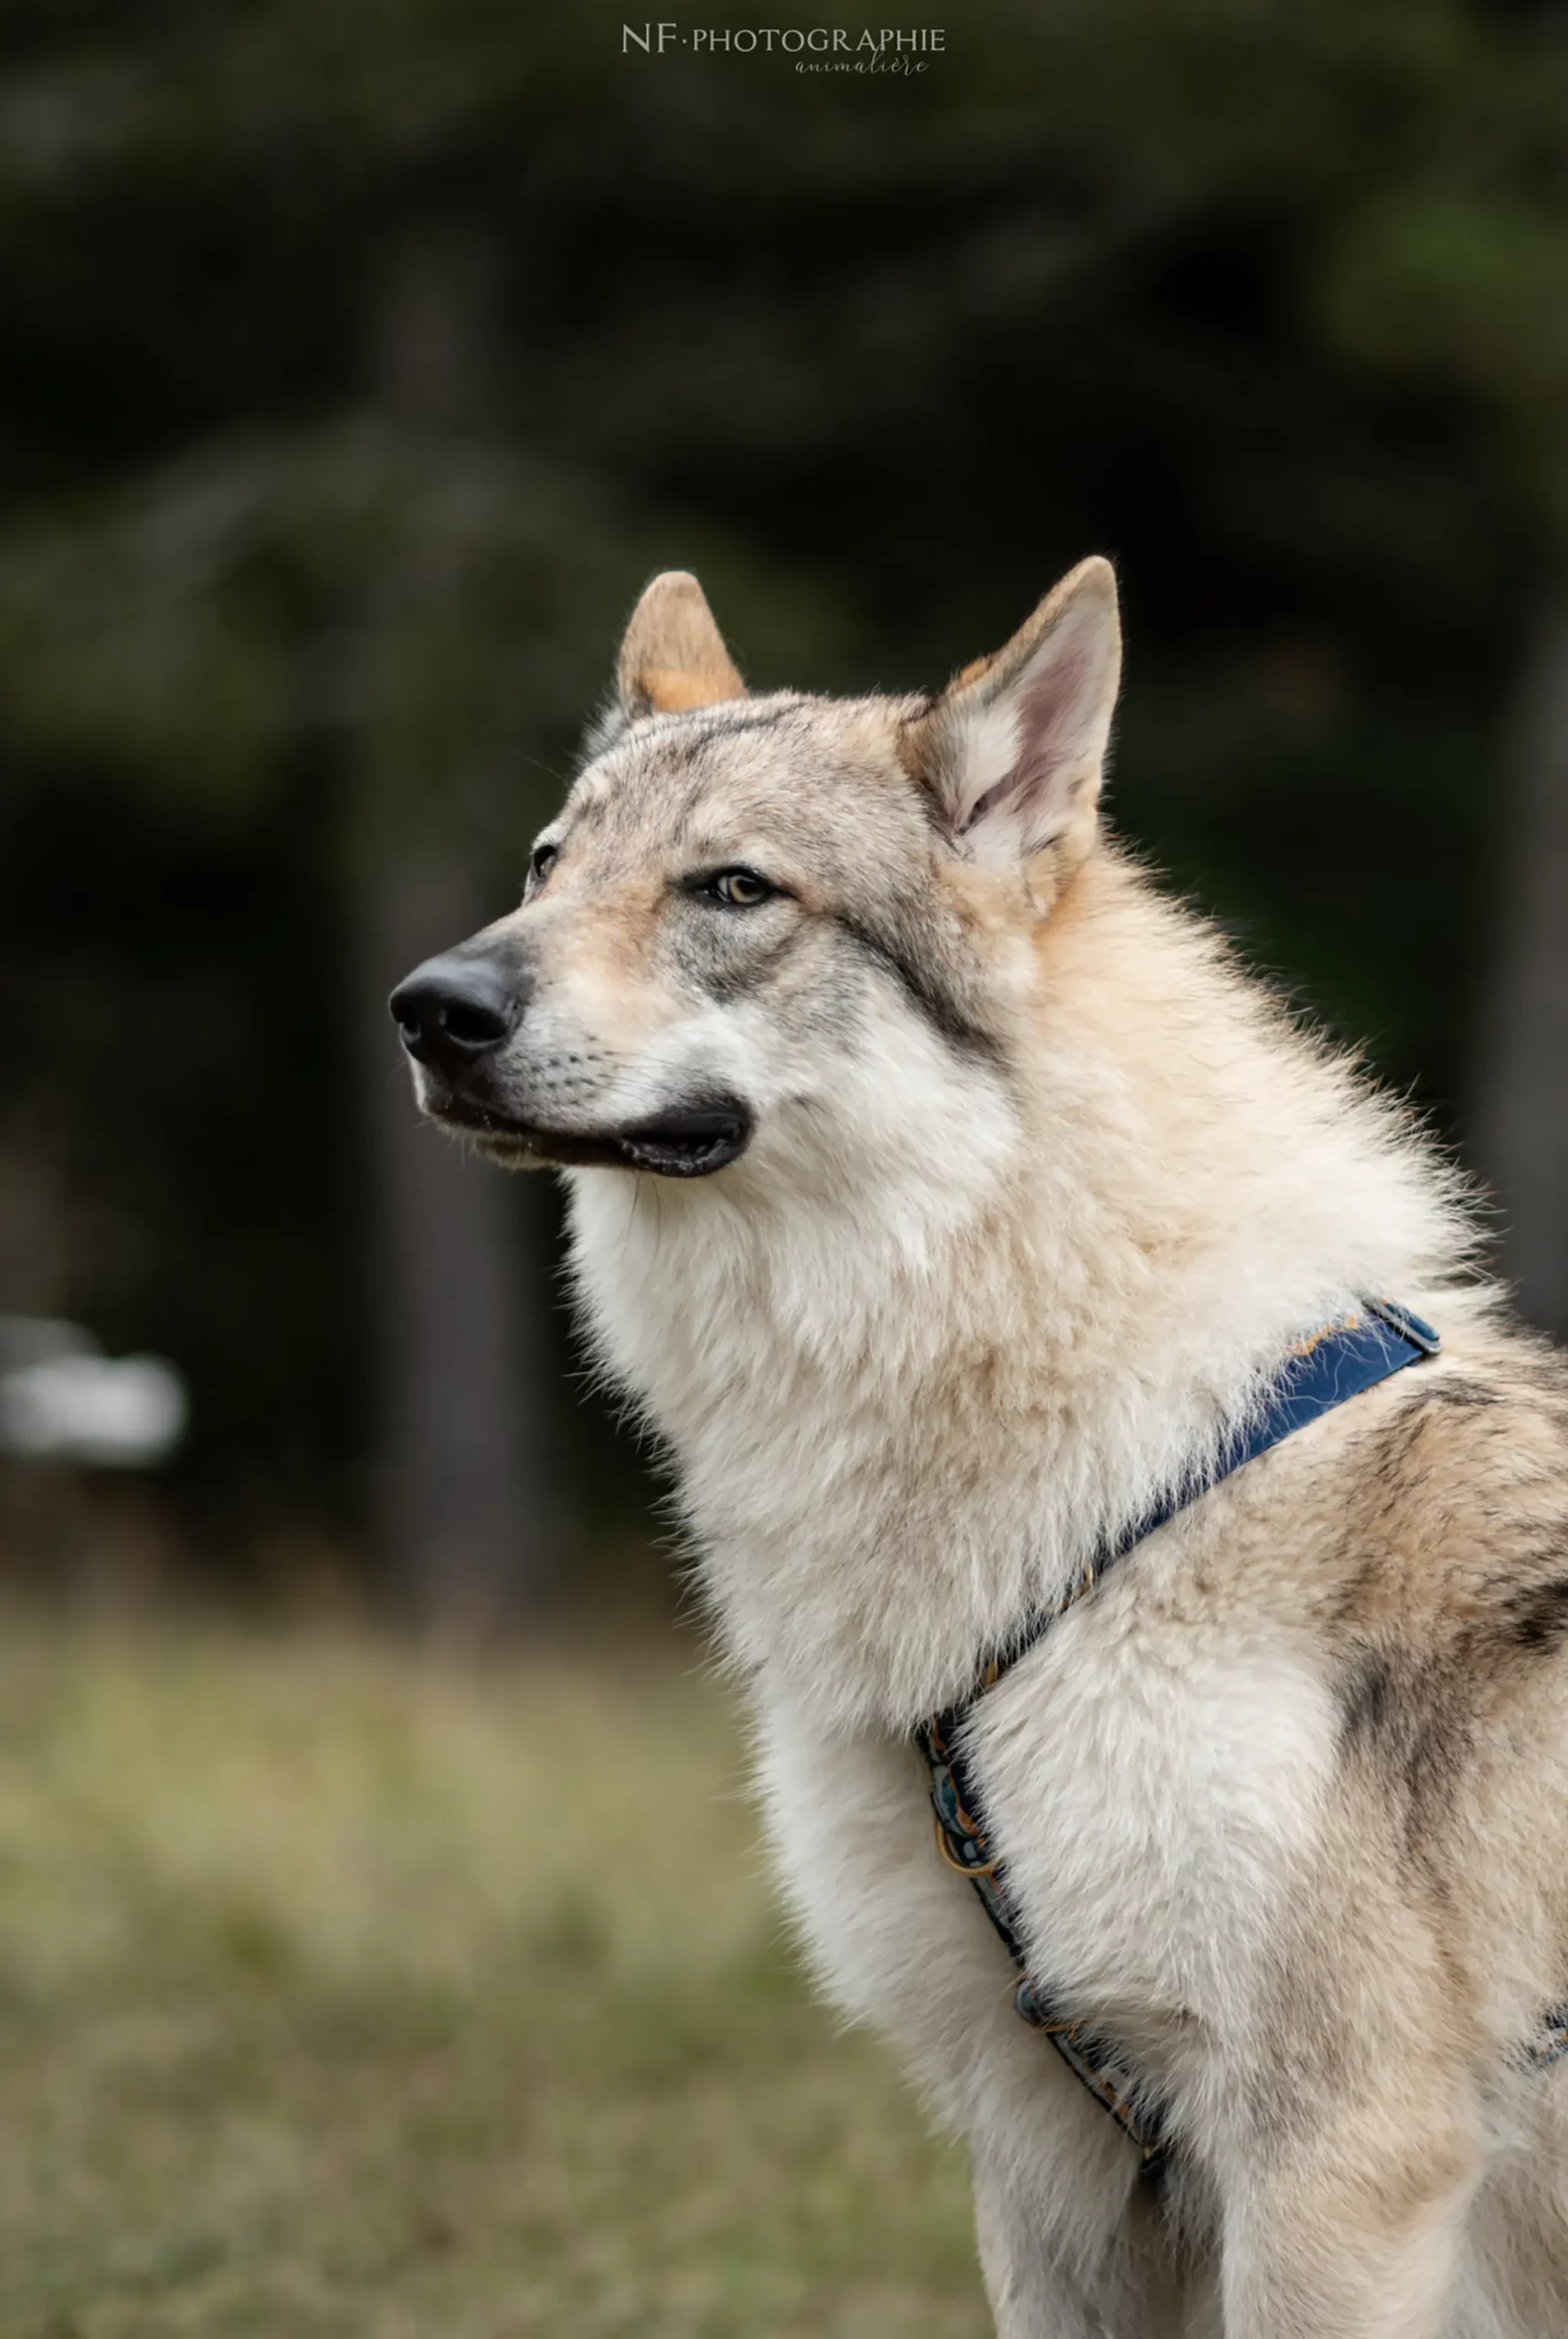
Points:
(1151, 1771)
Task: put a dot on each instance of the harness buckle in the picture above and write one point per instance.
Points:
(958, 1866)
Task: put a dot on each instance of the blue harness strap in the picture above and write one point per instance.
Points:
(1322, 1373)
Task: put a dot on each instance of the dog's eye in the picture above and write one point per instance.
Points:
(740, 889)
(541, 861)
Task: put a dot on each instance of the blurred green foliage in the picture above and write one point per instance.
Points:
(361, 360)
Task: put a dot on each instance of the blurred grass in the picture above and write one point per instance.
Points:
(345, 1993)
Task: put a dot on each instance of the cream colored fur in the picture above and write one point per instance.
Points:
(907, 1394)
(954, 1317)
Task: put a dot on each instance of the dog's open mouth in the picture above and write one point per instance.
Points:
(688, 1141)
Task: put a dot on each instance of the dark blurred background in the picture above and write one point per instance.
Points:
(358, 364)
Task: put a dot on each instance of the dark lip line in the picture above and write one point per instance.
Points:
(626, 1148)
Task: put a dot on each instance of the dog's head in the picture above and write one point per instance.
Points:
(787, 925)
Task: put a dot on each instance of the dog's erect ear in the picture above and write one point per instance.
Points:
(674, 655)
(1015, 749)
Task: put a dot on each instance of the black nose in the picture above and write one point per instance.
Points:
(454, 1010)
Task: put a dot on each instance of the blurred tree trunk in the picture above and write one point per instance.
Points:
(467, 1521)
(1521, 1084)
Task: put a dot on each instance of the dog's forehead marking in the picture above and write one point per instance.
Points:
(816, 758)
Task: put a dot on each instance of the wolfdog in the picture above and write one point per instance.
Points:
(964, 1219)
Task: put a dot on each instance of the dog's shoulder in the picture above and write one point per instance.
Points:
(1446, 1608)
(1455, 1503)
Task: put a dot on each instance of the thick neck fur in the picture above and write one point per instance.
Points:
(911, 1378)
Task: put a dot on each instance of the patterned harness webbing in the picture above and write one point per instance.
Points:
(1322, 1373)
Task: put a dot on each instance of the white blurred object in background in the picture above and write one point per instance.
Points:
(62, 1400)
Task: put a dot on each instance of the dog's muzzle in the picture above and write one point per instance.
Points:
(457, 1011)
